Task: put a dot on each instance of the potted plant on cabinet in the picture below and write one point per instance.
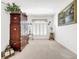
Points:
(12, 8)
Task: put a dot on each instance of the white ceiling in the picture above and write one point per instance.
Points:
(39, 6)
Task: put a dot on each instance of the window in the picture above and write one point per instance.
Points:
(39, 27)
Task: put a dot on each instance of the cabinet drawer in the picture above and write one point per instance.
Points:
(15, 32)
(15, 45)
(15, 19)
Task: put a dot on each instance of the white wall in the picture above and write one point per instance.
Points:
(4, 27)
(67, 34)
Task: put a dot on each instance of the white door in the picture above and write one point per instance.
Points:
(40, 29)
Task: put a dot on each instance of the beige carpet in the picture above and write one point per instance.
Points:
(44, 49)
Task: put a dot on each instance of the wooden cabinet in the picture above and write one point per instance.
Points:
(15, 31)
(17, 42)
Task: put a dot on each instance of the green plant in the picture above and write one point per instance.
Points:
(12, 8)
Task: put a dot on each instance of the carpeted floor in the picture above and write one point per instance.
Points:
(44, 49)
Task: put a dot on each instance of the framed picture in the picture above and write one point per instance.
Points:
(68, 15)
(61, 18)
